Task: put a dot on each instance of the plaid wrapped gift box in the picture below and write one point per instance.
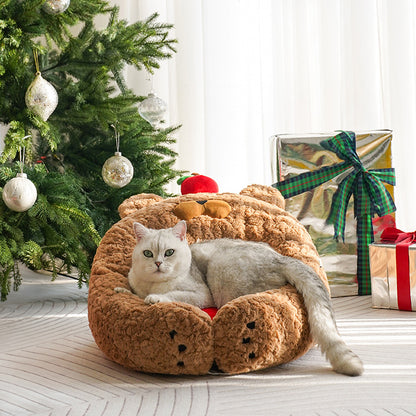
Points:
(338, 180)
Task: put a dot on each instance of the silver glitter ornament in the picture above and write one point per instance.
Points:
(19, 194)
(41, 97)
(117, 171)
(55, 6)
(152, 109)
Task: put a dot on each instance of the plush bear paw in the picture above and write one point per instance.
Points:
(190, 209)
(260, 330)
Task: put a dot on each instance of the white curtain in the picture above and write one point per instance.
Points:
(248, 69)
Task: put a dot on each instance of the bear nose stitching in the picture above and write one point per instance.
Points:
(158, 263)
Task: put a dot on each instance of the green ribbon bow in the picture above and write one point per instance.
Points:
(370, 197)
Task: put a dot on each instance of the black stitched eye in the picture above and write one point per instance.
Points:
(169, 252)
(147, 253)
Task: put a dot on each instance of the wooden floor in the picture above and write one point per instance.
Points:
(50, 365)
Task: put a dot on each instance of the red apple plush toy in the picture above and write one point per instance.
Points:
(197, 183)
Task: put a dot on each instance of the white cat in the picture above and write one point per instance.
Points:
(211, 273)
(163, 269)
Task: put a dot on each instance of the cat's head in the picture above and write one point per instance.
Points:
(161, 255)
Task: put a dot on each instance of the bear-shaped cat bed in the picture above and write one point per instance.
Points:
(248, 333)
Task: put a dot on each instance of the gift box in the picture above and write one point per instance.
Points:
(393, 270)
(322, 175)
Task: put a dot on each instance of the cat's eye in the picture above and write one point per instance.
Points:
(147, 253)
(169, 252)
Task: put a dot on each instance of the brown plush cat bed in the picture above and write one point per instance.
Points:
(249, 333)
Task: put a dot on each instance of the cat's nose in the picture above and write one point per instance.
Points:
(158, 263)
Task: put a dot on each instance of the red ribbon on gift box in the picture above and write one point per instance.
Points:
(403, 241)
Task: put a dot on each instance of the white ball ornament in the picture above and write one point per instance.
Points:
(117, 171)
(19, 194)
(55, 6)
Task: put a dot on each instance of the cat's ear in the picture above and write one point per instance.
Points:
(139, 230)
(179, 230)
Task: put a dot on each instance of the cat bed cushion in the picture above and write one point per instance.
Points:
(248, 333)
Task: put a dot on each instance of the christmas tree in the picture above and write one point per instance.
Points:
(65, 153)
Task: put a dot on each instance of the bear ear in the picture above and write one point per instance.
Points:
(137, 202)
(265, 193)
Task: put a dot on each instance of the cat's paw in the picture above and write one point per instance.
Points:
(121, 290)
(152, 299)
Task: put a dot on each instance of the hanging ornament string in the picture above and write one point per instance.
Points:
(117, 136)
(22, 158)
(36, 59)
(22, 153)
(150, 79)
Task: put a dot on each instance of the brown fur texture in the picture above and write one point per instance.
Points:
(249, 333)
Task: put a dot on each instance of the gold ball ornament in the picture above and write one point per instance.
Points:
(19, 194)
(117, 171)
(152, 109)
(41, 97)
(55, 6)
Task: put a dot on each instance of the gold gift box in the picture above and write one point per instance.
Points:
(293, 155)
(384, 275)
